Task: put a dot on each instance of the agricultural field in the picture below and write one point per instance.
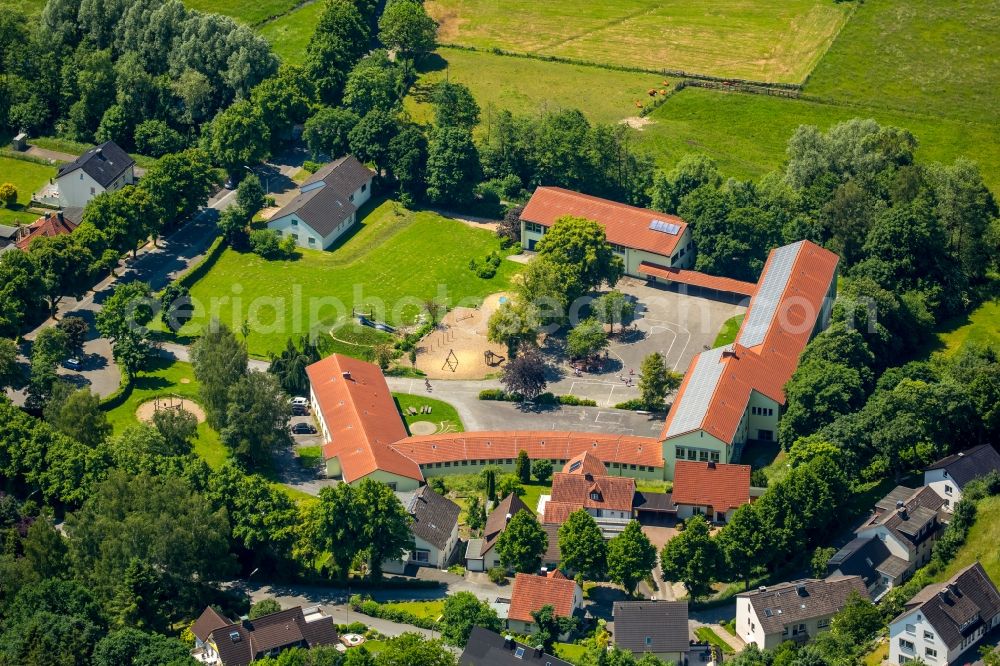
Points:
(747, 134)
(251, 13)
(763, 40)
(26, 177)
(382, 265)
(527, 85)
(289, 34)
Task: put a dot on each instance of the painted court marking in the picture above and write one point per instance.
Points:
(608, 417)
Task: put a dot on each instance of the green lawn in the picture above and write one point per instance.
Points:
(162, 379)
(708, 635)
(571, 652)
(310, 456)
(251, 13)
(430, 609)
(981, 544)
(442, 414)
(931, 57)
(748, 134)
(527, 86)
(385, 265)
(533, 491)
(351, 338)
(27, 177)
(768, 40)
(729, 330)
(981, 327)
(289, 34)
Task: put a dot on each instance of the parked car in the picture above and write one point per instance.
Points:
(304, 429)
(300, 410)
(74, 363)
(299, 401)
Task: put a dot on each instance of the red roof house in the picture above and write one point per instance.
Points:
(530, 593)
(712, 489)
(48, 226)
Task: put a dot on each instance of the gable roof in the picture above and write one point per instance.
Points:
(624, 225)
(585, 463)
(800, 600)
(434, 516)
(552, 552)
(487, 648)
(325, 200)
(360, 416)
(207, 622)
(578, 491)
(790, 298)
(104, 163)
(651, 626)
(530, 593)
(47, 226)
(240, 643)
(497, 521)
(867, 557)
(551, 445)
(718, 485)
(958, 607)
(970, 464)
(911, 520)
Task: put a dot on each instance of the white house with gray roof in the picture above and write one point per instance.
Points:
(326, 205)
(944, 621)
(794, 611)
(949, 476)
(103, 168)
(434, 525)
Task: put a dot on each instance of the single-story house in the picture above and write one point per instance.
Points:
(637, 235)
(488, 648)
(326, 205)
(659, 628)
(794, 611)
(945, 621)
(949, 476)
(530, 593)
(103, 168)
(222, 642)
(713, 490)
(480, 554)
(434, 527)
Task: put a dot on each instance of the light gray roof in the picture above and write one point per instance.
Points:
(474, 550)
(324, 201)
(703, 379)
(8, 233)
(768, 295)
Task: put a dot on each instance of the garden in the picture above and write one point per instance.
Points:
(27, 177)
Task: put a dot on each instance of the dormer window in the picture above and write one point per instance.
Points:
(596, 496)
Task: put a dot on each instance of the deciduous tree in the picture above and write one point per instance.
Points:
(525, 374)
(692, 557)
(327, 131)
(219, 361)
(579, 249)
(656, 381)
(405, 26)
(463, 611)
(582, 546)
(587, 339)
(631, 557)
(613, 308)
(385, 526)
(257, 416)
(523, 543)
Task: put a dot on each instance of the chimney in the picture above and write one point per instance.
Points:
(99, 151)
(729, 352)
(508, 517)
(902, 510)
(346, 374)
(711, 465)
(539, 650)
(762, 588)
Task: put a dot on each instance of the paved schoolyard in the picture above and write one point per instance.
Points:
(678, 325)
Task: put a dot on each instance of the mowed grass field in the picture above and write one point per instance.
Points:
(528, 86)
(748, 134)
(981, 543)
(393, 262)
(26, 177)
(250, 12)
(289, 34)
(764, 40)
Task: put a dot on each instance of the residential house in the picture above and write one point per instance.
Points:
(530, 593)
(945, 621)
(949, 476)
(795, 611)
(435, 530)
(870, 558)
(480, 554)
(103, 168)
(488, 648)
(713, 490)
(607, 498)
(732, 395)
(659, 628)
(637, 235)
(49, 225)
(552, 557)
(908, 521)
(326, 205)
(8, 237)
(221, 642)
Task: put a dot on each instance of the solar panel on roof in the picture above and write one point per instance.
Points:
(665, 227)
(694, 403)
(765, 301)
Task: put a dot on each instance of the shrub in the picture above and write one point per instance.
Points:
(265, 242)
(373, 608)
(8, 194)
(635, 404)
(493, 394)
(486, 268)
(498, 575)
(352, 628)
(310, 166)
(576, 402)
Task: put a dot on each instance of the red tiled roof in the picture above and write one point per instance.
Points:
(553, 445)
(775, 343)
(698, 279)
(623, 224)
(717, 485)
(557, 513)
(49, 225)
(615, 492)
(585, 463)
(361, 416)
(530, 593)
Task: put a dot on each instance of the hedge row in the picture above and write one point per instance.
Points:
(204, 265)
(546, 398)
(372, 608)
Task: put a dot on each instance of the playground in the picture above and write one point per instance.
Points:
(458, 348)
(147, 409)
